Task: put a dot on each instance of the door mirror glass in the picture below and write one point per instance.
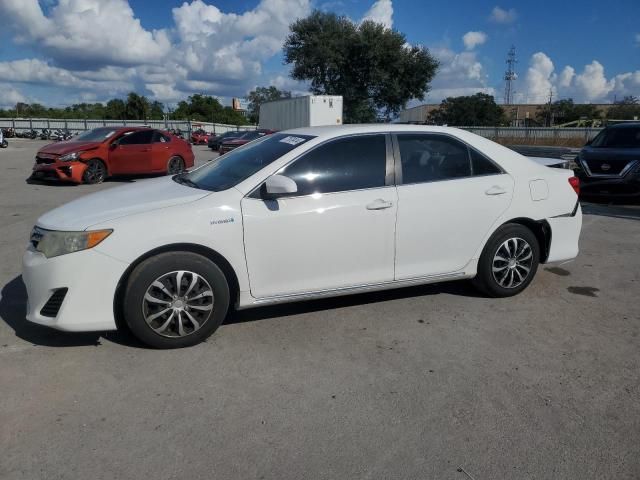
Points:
(277, 186)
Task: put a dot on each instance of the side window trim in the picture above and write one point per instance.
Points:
(389, 167)
(398, 158)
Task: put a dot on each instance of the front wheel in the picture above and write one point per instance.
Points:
(508, 262)
(95, 172)
(175, 299)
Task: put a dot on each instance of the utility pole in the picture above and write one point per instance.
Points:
(550, 120)
(510, 76)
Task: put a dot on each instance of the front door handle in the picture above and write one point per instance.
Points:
(495, 190)
(379, 204)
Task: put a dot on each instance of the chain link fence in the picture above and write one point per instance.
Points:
(79, 125)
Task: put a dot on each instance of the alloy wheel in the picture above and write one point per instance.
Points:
(178, 304)
(95, 172)
(512, 262)
(175, 166)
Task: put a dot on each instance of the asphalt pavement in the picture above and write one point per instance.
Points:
(432, 382)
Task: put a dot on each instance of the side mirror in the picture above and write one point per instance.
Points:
(277, 186)
(113, 145)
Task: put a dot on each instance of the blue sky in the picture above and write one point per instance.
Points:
(59, 52)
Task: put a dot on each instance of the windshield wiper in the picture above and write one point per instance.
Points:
(182, 180)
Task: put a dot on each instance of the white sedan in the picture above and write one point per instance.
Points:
(297, 215)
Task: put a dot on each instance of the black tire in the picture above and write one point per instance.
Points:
(164, 268)
(494, 284)
(175, 165)
(96, 172)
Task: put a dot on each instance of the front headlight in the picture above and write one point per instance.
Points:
(70, 156)
(53, 243)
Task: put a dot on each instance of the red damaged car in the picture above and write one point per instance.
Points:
(102, 152)
(200, 137)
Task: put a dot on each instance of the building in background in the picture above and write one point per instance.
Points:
(240, 105)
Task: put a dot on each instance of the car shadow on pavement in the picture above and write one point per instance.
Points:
(13, 310)
(457, 288)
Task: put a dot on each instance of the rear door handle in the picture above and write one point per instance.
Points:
(379, 204)
(495, 190)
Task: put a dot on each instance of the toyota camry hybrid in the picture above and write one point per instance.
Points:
(296, 215)
(105, 151)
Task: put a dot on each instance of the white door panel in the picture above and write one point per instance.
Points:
(441, 224)
(321, 241)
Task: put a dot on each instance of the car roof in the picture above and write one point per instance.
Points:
(341, 130)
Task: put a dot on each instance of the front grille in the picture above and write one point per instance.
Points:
(52, 307)
(602, 167)
(40, 159)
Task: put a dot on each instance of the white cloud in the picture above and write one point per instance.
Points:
(540, 78)
(637, 38)
(472, 39)
(592, 83)
(9, 96)
(99, 45)
(381, 12)
(86, 32)
(501, 15)
(589, 85)
(459, 74)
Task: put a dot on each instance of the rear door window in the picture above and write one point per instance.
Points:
(434, 157)
(137, 138)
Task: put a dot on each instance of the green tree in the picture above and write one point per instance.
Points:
(472, 110)
(565, 111)
(205, 108)
(115, 109)
(370, 65)
(137, 106)
(626, 109)
(156, 110)
(262, 95)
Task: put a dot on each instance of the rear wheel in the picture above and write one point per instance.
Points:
(96, 172)
(175, 166)
(508, 262)
(175, 299)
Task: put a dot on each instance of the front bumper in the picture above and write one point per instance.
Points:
(91, 279)
(59, 171)
(624, 186)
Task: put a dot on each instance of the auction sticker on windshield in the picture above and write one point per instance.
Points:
(293, 140)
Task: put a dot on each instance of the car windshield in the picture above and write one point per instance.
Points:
(623, 137)
(241, 163)
(251, 135)
(96, 135)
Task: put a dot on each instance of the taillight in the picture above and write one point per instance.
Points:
(575, 184)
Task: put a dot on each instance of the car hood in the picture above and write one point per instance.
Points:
(100, 207)
(62, 148)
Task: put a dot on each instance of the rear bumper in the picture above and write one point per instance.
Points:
(565, 236)
(59, 171)
(90, 279)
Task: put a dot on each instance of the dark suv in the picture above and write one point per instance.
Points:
(610, 164)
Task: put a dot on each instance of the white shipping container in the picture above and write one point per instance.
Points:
(310, 111)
